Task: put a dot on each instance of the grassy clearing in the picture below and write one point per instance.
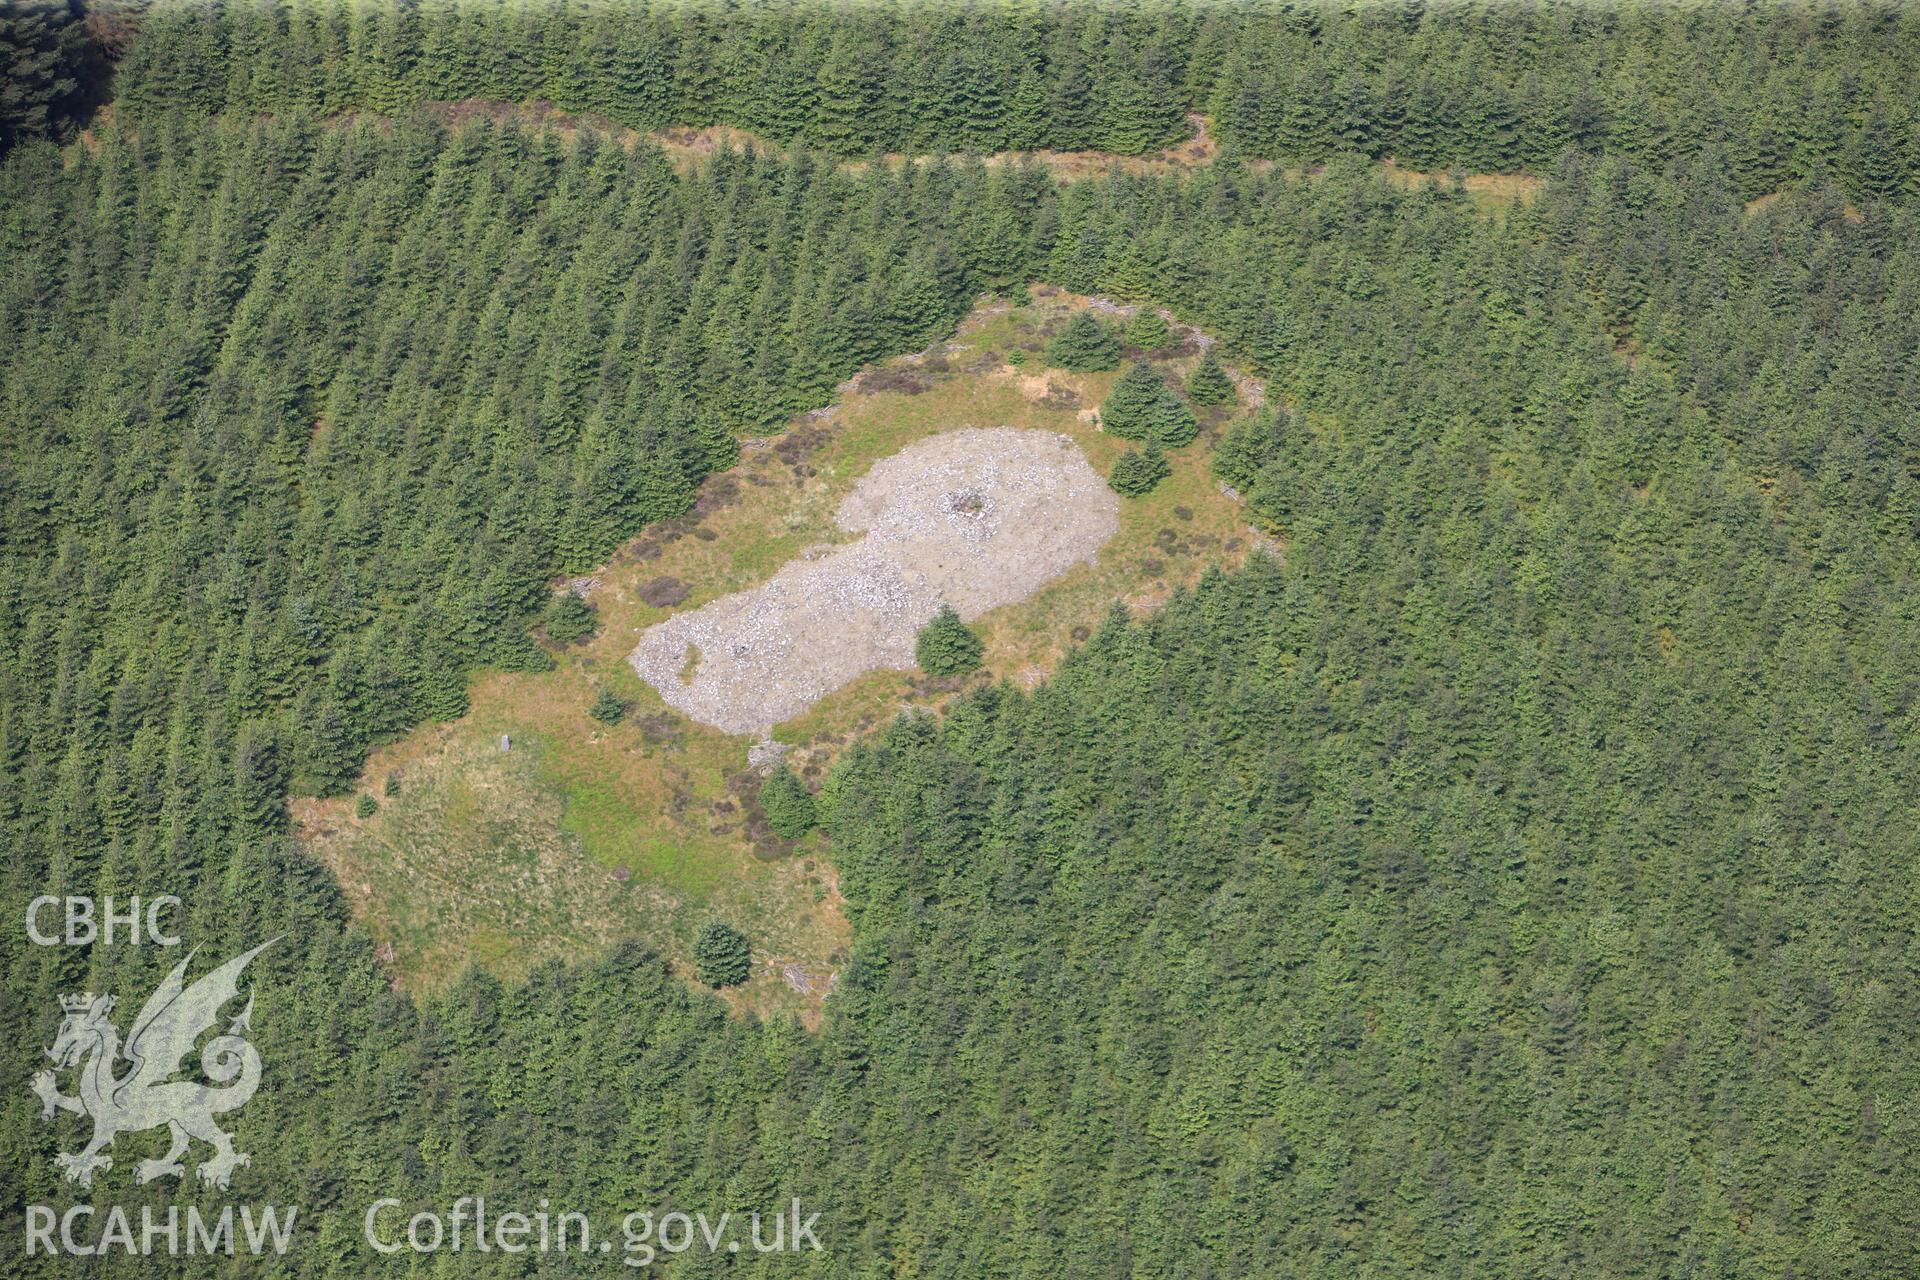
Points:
(583, 833)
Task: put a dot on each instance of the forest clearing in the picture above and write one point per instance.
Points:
(584, 832)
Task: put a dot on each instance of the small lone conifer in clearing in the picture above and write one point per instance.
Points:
(1146, 330)
(1141, 407)
(1209, 384)
(721, 956)
(788, 803)
(946, 646)
(607, 707)
(1083, 345)
(1137, 471)
(570, 618)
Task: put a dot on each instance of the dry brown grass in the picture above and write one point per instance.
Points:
(1489, 191)
(687, 145)
(1755, 205)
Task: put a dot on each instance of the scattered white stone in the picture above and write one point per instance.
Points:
(978, 518)
(763, 755)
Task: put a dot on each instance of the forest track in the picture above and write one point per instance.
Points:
(688, 145)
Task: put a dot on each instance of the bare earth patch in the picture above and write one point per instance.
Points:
(977, 518)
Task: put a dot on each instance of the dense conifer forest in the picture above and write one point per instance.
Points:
(1786, 93)
(1514, 876)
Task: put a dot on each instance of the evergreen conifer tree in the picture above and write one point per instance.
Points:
(40, 46)
(1083, 345)
(1208, 384)
(1248, 446)
(1875, 169)
(1137, 471)
(1146, 330)
(569, 618)
(947, 646)
(607, 707)
(843, 121)
(721, 956)
(1273, 338)
(1141, 407)
(788, 803)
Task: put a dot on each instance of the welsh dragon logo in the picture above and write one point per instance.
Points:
(147, 1096)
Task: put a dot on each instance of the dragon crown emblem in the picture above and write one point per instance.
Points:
(133, 1086)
